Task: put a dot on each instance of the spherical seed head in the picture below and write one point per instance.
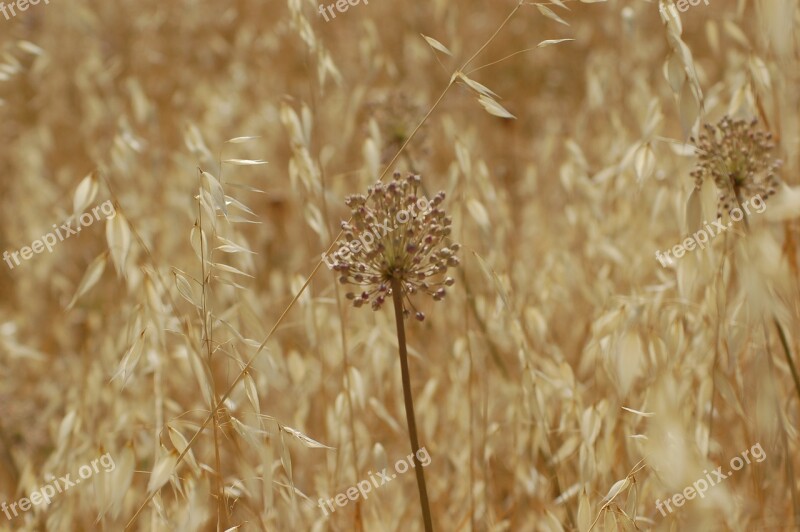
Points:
(395, 240)
(737, 157)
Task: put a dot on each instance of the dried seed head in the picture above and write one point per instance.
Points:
(736, 156)
(402, 237)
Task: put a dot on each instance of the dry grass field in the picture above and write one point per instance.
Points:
(610, 281)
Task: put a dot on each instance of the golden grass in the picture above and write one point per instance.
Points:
(218, 361)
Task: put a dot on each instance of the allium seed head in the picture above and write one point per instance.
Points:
(736, 156)
(399, 243)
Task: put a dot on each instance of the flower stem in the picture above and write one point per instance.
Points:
(397, 295)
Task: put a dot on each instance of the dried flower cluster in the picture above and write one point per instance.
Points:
(736, 155)
(416, 253)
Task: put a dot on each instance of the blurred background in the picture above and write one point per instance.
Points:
(567, 382)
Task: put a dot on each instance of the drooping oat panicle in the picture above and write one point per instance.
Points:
(408, 241)
(735, 154)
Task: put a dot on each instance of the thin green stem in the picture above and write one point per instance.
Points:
(397, 296)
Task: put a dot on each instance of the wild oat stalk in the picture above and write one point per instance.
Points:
(788, 354)
(409, 256)
(310, 277)
(207, 340)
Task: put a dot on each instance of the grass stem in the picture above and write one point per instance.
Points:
(788, 354)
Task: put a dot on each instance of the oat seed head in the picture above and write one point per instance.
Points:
(417, 252)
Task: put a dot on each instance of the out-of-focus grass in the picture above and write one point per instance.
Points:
(561, 315)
